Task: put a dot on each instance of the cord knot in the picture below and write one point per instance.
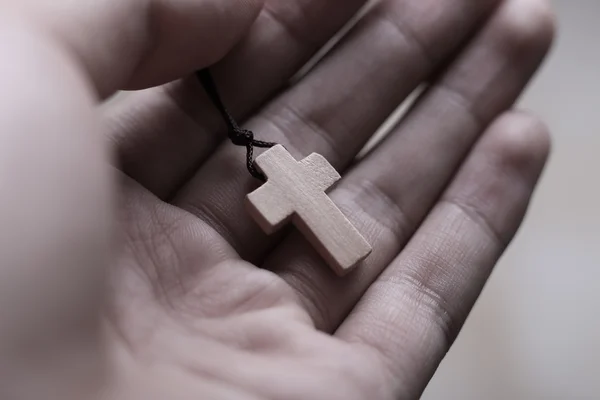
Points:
(237, 135)
(242, 137)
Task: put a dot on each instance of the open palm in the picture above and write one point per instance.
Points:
(199, 303)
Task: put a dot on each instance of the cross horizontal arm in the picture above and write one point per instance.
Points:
(269, 207)
(319, 169)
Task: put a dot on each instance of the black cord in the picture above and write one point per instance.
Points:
(237, 135)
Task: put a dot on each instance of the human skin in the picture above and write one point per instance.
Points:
(130, 267)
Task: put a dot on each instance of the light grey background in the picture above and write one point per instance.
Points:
(535, 333)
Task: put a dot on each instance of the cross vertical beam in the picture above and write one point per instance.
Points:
(295, 191)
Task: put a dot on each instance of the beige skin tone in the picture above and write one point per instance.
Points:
(130, 282)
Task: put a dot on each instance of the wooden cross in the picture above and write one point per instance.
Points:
(296, 190)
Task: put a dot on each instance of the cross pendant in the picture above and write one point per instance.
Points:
(295, 190)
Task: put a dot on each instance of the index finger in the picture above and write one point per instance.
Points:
(141, 43)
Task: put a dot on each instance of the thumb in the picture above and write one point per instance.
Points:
(141, 43)
(55, 211)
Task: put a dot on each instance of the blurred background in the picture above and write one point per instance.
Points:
(535, 332)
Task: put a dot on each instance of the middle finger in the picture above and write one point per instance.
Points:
(337, 107)
(389, 193)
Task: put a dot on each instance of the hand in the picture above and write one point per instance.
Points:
(134, 284)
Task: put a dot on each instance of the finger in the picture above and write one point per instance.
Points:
(164, 134)
(336, 108)
(141, 43)
(412, 313)
(55, 210)
(389, 193)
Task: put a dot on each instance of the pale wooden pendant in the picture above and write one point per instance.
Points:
(296, 190)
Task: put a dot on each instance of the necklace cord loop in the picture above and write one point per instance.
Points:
(237, 135)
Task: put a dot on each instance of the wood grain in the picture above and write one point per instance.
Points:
(296, 192)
